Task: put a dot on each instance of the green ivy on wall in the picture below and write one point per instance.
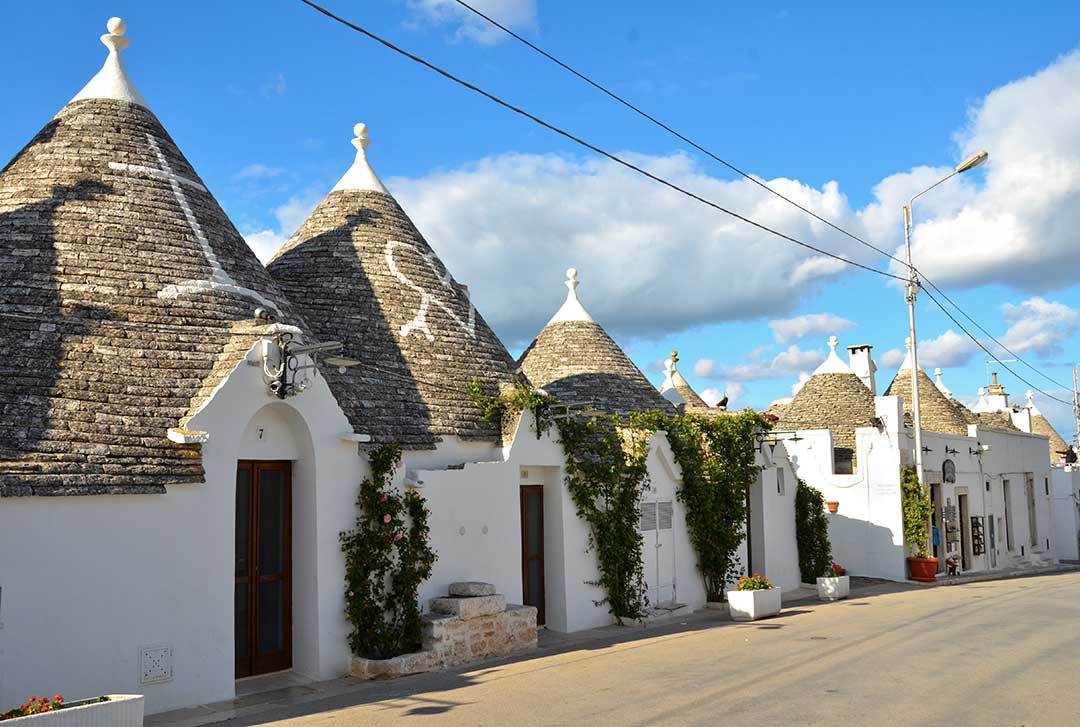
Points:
(387, 557)
(812, 533)
(717, 457)
(917, 509)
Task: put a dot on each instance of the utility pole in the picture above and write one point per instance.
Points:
(912, 289)
(1076, 407)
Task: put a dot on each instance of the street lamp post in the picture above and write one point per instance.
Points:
(912, 289)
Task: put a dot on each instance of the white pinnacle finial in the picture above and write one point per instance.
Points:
(832, 363)
(111, 81)
(360, 175)
(571, 310)
(1030, 397)
(941, 384)
(906, 365)
(669, 367)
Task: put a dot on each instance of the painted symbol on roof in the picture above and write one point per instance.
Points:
(419, 322)
(219, 279)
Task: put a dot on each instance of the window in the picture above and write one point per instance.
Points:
(655, 516)
(843, 461)
(648, 517)
(779, 480)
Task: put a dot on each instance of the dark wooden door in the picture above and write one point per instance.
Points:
(532, 548)
(263, 602)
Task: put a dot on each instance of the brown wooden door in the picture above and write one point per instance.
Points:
(263, 630)
(532, 548)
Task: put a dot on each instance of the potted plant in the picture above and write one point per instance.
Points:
(753, 598)
(115, 710)
(834, 585)
(917, 510)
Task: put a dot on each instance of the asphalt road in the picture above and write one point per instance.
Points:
(992, 653)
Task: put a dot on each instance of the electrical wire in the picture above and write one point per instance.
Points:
(608, 92)
(644, 114)
(588, 145)
(981, 345)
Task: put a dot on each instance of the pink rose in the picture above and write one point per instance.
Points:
(386, 519)
(398, 536)
(384, 498)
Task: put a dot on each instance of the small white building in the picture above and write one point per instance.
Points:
(988, 475)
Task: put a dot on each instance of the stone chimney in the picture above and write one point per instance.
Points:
(996, 398)
(862, 363)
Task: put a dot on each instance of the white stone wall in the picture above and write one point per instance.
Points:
(95, 579)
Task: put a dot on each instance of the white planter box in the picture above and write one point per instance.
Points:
(752, 605)
(122, 710)
(834, 588)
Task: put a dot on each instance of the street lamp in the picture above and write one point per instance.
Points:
(912, 288)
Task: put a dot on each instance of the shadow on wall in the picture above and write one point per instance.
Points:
(326, 278)
(864, 548)
(36, 321)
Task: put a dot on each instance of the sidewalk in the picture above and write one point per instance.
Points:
(274, 691)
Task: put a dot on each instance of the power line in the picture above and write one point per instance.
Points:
(636, 109)
(592, 147)
(988, 352)
(987, 334)
(606, 91)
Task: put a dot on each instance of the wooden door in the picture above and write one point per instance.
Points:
(263, 599)
(532, 548)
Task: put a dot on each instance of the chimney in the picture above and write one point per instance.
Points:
(862, 363)
(995, 399)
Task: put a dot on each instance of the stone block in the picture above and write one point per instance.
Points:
(472, 588)
(469, 608)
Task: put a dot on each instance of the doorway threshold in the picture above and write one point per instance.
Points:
(271, 682)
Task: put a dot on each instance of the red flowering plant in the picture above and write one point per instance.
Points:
(756, 582)
(387, 557)
(836, 570)
(34, 705)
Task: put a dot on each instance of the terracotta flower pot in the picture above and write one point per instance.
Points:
(833, 505)
(923, 570)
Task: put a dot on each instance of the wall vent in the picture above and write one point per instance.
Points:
(665, 512)
(155, 664)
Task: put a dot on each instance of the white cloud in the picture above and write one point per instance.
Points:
(797, 386)
(651, 261)
(732, 391)
(257, 171)
(1019, 227)
(704, 367)
(1038, 325)
(794, 359)
(792, 329)
(892, 358)
(289, 217)
(948, 349)
(517, 15)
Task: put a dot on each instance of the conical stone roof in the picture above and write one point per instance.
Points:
(575, 360)
(1041, 425)
(361, 273)
(937, 413)
(122, 284)
(833, 398)
(676, 388)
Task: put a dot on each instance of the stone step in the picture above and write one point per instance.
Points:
(467, 608)
(469, 589)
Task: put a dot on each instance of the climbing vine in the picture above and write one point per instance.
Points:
(716, 456)
(605, 476)
(917, 509)
(812, 533)
(387, 557)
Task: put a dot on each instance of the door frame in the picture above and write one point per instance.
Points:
(257, 665)
(541, 610)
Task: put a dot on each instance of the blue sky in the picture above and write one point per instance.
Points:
(841, 106)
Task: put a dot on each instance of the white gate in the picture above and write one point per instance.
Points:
(658, 550)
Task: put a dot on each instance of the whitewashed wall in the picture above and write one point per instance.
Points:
(776, 549)
(866, 532)
(95, 579)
